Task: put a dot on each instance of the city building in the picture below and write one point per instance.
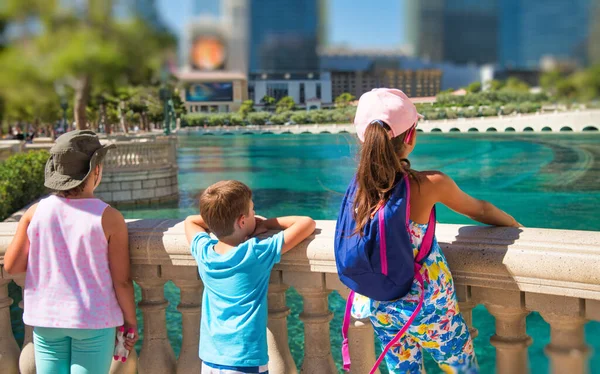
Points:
(511, 34)
(214, 60)
(302, 87)
(457, 31)
(284, 39)
(357, 72)
(534, 30)
(284, 36)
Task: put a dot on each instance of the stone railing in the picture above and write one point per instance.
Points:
(140, 170)
(512, 272)
(141, 154)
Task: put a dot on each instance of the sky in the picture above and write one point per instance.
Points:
(353, 23)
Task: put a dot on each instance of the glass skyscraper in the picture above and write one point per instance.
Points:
(284, 35)
(534, 29)
(513, 34)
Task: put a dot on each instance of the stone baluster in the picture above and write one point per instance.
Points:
(567, 350)
(466, 305)
(316, 317)
(511, 339)
(27, 357)
(361, 343)
(187, 279)
(157, 355)
(280, 358)
(9, 349)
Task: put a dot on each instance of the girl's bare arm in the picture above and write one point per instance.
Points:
(449, 194)
(15, 258)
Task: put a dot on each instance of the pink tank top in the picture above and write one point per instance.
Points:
(68, 282)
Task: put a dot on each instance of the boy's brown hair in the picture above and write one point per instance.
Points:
(222, 204)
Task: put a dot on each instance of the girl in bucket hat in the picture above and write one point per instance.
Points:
(74, 250)
(386, 192)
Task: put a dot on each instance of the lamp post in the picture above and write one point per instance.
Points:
(165, 96)
(64, 105)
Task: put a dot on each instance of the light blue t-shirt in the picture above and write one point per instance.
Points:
(233, 329)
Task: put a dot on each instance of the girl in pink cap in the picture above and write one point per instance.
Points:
(74, 250)
(427, 317)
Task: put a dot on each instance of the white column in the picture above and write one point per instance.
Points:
(260, 91)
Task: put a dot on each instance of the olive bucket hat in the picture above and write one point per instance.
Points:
(72, 158)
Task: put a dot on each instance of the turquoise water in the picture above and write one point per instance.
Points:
(549, 180)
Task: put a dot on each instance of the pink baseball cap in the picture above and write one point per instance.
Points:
(389, 105)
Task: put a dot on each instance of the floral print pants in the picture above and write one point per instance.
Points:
(439, 329)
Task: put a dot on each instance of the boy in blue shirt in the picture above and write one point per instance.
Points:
(235, 270)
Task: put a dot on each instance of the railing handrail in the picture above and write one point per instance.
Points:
(543, 261)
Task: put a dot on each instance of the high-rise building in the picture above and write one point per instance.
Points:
(284, 35)
(512, 34)
(536, 29)
(459, 31)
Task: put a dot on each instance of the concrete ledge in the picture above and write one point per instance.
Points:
(541, 261)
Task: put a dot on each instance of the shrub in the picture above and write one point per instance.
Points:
(528, 107)
(488, 112)
(236, 120)
(285, 104)
(341, 117)
(280, 119)
(470, 113)
(300, 118)
(320, 116)
(259, 118)
(220, 119)
(509, 109)
(196, 119)
(451, 114)
(21, 181)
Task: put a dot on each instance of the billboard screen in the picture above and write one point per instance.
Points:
(210, 91)
(207, 53)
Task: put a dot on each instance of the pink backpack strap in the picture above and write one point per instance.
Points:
(408, 323)
(345, 326)
(424, 251)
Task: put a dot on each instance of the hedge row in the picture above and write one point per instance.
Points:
(433, 113)
(300, 117)
(21, 181)
(489, 98)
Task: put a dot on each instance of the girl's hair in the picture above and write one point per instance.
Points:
(76, 191)
(378, 170)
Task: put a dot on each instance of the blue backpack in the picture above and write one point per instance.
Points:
(379, 264)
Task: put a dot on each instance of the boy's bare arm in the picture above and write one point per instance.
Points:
(193, 225)
(296, 229)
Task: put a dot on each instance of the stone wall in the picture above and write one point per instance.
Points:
(139, 187)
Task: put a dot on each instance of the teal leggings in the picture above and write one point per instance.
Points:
(75, 351)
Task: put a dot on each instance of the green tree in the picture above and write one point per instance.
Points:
(285, 104)
(268, 101)
(344, 100)
(514, 84)
(84, 48)
(246, 107)
(474, 87)
(496, 85)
